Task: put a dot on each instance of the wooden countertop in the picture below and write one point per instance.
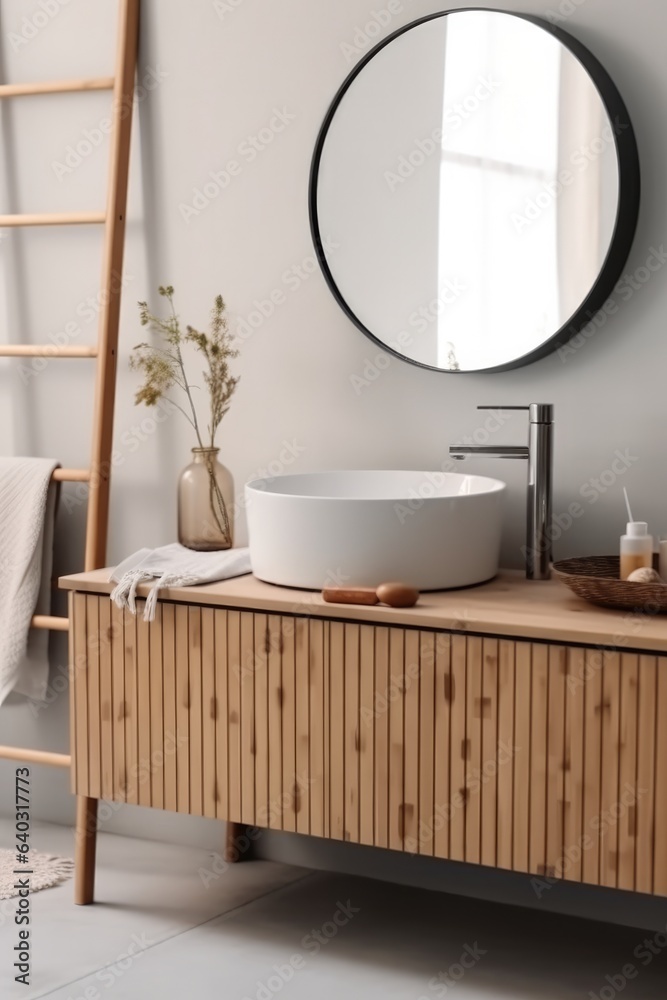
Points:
(509, 606)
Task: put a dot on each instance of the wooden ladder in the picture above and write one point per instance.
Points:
(98, 475)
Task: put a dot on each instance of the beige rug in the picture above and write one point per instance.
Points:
(46, 869)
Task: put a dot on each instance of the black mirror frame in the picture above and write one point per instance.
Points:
(628, 200)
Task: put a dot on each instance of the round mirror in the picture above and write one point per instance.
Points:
(475, 190)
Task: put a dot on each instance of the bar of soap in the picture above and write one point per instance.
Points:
(350, 595)
(645, 575)
(398, 595)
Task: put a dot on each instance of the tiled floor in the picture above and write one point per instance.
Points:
(261, 930)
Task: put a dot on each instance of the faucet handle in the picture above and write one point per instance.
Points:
(540, 413)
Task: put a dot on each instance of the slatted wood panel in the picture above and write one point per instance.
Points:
(351, 734)
(454, 808)
(288, 800)
(380, 724)
(209, 711)
(130, 712)
(156, 700)
(646, 772)
(250, 665)
(106, 704)
(144, 789)
(336, 730)
(94, 732)
(489, 771)
(628, 738)
(555, 794)
(196, 768)
(506, 696)
(182, 709)
(534, 758)
(366, 734)
(573, 762)
(300, 783)
(523, 684)
(433, 709)
(275, 741)
(318, 757)
(169, 705)
(262, 650)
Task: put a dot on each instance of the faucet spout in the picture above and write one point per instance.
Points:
(461, 452)
(539, 454)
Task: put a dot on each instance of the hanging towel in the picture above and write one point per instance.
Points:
(173, 566)
(27, 514)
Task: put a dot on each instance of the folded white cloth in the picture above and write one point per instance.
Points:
(173, 566)
(27, 513)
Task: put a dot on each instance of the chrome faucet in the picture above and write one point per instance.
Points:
(539, 453)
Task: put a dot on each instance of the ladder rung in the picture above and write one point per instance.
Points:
(55, 219)
(71, 476)
(56, 87)
(36, 757)
(50, 623)
(45, 351)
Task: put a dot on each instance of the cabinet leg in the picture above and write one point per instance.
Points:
(84, 856)
(235, 837)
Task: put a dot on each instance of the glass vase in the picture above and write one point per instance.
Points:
(206, 503)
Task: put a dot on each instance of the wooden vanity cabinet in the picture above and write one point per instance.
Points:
(541, 757)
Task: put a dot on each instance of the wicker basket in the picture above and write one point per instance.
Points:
(596, 579)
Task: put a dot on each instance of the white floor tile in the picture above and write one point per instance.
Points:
(146, 890)
(379, 940)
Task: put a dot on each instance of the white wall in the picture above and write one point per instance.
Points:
(222, 75)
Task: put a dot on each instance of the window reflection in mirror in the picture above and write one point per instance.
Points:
(468, 180)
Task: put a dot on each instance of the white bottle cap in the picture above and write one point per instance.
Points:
(637, 529)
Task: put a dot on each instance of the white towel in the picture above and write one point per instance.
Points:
(173, 566)
(27, 513)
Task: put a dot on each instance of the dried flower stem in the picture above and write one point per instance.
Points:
(164, 368)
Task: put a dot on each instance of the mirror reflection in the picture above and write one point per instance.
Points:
(468, 185)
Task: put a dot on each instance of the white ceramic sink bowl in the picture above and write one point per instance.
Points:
(433, 530)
